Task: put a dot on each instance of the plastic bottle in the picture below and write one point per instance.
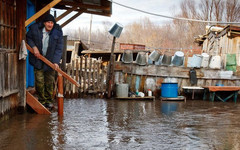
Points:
(149, 92)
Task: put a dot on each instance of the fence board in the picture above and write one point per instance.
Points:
(94, 76)
(1, 73)
(76, 76)
(89, 74)
(85, 76)
(81, 74)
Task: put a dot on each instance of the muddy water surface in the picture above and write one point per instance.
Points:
(112, 124)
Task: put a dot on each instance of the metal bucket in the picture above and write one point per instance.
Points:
(116, 30)
(178, 58)
(166, 60)
(159, 61)
(196, 61)
(122, 90)
(205, 60)
(141, 58)
(127, 56)
(154, 56)
(215, 62)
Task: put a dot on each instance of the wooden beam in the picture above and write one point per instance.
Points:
(66, 13)
(98, 13)
(52, 66)
(71, 19)
(42, 11)
(36, 105)
(86, 6)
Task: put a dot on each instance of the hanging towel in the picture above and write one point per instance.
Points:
(23, 51)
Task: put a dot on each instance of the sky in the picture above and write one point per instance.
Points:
(124, 15)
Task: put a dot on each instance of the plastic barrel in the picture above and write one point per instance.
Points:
(122, 90)
(169, 90)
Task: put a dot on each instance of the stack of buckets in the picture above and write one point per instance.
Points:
(169, 88)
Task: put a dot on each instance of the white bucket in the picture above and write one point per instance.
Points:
(205, 60)
(215, 62)
(196, 61)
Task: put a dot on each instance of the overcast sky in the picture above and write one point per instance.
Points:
(125, 16)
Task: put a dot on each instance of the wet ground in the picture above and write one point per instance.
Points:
(113, 124)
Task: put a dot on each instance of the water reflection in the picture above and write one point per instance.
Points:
(168, 107)
(114, 124)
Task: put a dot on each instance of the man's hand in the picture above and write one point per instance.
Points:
(56, 66)
(36, 52)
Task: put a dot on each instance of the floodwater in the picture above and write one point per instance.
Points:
(98, 124)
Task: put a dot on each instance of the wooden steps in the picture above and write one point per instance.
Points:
(36, 105)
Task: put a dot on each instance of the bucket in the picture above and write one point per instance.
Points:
(196, 61)
(166, 59)
(159, 61)
(122, 90)
(141, 58)
(127, 56)
(215, 62)
(205, 60)
(169, 90)
(178, 58)
(154, 56)
(116, 30)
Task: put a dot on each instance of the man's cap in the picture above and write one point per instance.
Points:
(49, 17)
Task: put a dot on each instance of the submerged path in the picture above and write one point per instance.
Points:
(114, 124)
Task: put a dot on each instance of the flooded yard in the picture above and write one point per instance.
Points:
(114, 124)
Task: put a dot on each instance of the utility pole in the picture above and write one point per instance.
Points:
(90, 30)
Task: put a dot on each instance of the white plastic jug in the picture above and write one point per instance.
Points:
(215, 62)
(205, 60)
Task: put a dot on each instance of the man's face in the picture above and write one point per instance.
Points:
(48, 25)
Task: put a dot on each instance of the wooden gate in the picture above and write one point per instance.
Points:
(91, 75)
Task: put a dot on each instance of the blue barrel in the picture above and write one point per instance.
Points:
(169, 90)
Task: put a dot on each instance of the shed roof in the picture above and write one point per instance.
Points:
(98, 7)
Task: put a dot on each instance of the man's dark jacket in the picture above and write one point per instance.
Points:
(55, 45)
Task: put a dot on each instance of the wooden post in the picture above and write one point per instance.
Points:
(110, 76)
(60, 95)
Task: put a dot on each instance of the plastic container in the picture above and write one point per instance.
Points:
(215, 62)
(122, 90)
(169, 90)
(196, 61)
(149, 92)
(205, 60)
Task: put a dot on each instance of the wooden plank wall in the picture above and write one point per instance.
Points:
(89, 73)
(8, 56)
(136, 76)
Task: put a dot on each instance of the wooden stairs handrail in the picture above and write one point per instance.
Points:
(46, 61)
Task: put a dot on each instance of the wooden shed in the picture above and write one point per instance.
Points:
(13, 23)
(220, 40)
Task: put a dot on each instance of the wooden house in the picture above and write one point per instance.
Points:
(15, 16)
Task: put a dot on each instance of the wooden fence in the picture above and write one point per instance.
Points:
(91, 75)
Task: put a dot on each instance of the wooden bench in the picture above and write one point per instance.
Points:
(192, 88)
(215, 91)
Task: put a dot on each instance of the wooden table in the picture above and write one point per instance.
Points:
(215, 91)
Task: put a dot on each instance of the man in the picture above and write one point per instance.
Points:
(46, 39)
